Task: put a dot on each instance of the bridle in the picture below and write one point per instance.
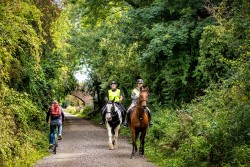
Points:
(142, 100)
(113, 111)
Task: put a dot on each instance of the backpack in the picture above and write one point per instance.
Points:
(55, 110)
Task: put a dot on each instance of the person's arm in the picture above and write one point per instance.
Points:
(133, 96)
(106, 99)
(121, 98)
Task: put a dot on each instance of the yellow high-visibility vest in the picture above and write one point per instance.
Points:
(137, 92)
(114, 95)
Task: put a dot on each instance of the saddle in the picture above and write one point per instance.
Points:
(132, 110)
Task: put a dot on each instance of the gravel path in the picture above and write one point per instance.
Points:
(85, 144)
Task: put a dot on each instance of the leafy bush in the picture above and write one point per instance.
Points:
(212, 131)
(71, 109)
(21, 129)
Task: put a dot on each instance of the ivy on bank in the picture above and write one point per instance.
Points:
(34, 70)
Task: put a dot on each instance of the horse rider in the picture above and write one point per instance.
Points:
(135, 96)
(116, 95)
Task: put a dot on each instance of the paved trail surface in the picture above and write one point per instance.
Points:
(85, 144)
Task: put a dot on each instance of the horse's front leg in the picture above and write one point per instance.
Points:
(134, 147)
(111, 146)
(115, 142)
(142, 141)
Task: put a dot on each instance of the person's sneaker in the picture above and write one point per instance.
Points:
(50, 146)
(59, 137)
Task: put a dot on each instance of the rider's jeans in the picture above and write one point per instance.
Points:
(55, 122)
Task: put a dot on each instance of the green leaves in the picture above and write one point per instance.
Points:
(148, 40)
(35, 67)
(19, 120)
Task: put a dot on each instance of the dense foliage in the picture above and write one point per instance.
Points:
(35, 68)
(193, 55)
(148, 40)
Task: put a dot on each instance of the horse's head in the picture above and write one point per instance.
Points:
(143, 98)
(111, 109)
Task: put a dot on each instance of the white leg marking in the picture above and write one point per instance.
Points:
(111, 147)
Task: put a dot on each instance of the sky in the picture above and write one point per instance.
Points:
(82, 74)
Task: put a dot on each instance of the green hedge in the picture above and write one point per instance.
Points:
(211, 131)
(23, 137)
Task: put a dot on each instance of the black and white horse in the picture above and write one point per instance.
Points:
(113, 122)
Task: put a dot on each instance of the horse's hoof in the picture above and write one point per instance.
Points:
(132, 157)
(111, 148)
(142, 156)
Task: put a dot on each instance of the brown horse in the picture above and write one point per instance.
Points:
(139, 122)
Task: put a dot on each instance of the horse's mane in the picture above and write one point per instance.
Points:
(145, 89)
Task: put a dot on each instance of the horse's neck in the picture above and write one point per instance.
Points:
(117, 114)
(138, 104)
(140, 110)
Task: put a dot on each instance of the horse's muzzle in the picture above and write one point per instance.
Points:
(109, 119)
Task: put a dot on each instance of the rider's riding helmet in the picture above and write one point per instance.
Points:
(139, 81)
(113, 82)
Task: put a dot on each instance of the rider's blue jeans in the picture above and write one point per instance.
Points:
(52, 129)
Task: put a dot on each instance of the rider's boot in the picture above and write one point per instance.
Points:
(125, 122)
(127, 119)
(123, 118)
(149, 118)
